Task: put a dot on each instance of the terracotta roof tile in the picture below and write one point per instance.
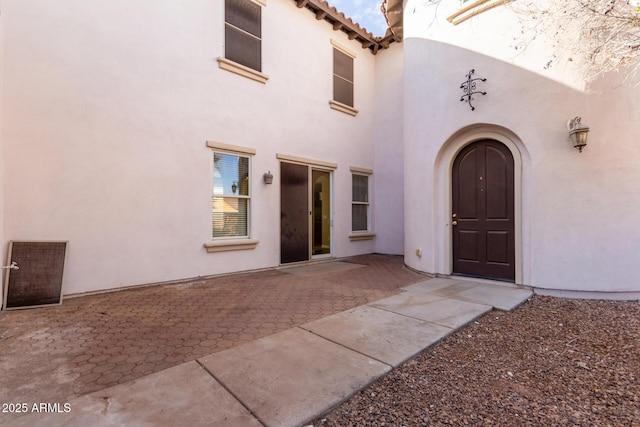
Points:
(323, 10)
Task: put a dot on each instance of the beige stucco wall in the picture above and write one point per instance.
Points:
(389, 152)
(106, 112)
(577, 209)
(107, 109)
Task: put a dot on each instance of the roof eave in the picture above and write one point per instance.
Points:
(354, 31)
(392, 10)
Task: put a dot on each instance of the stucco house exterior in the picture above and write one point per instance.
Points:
(168, 140)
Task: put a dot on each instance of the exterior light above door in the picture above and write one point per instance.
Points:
(577, 133)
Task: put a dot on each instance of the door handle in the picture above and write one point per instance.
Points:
(454, 222)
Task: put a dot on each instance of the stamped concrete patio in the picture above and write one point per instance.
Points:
(296, 342)
(92, 342)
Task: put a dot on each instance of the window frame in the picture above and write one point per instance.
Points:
(368, 233)
(333, 103)
(236, 67)
(226, 243)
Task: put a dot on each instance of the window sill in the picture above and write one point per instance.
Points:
(241, 70)
(362, 236)
(339, 106)
(231, 245)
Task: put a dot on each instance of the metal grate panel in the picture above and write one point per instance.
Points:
(38, 279)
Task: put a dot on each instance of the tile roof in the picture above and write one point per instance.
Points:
(341, 22)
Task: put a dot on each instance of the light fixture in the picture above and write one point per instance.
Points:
(268, 178)
(234, 187)
(577, 133)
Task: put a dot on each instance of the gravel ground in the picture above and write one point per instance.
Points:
(551, 362)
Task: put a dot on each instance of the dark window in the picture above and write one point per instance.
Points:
(342, 78)
(243, 33)
(360, 203)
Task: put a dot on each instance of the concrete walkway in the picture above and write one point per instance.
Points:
(294, 376)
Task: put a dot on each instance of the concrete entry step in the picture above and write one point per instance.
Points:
(501, 296)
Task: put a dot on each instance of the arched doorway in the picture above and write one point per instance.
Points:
(483, 211)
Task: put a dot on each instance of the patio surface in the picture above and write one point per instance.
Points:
(90, 343)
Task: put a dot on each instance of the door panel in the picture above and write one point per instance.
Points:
(496, 179)
(294, 212)
(483, 208)
(468, 194)
(497, 247)
(468, 246)
(321, 212)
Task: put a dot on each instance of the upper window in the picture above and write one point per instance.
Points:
(243, 33)
(231, 195)
(342, 77)
(360, 203)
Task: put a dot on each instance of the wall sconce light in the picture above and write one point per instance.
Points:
(577, 133)
(268, 178)
(234, 187)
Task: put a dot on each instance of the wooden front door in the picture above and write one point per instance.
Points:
(483, 211)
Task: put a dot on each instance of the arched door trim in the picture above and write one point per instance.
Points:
(443, 197)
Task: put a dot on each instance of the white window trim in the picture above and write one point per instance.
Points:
(342, 49)
(357, 236)
(367, 234)
(344, 108)
(222, 244)
(241, 70)
(339, 106)
(306, 161)
(231, 245)
(232, 149)
(360, 171)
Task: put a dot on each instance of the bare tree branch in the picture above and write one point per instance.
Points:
(603, 34)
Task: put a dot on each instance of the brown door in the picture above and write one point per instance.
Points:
(483, 211)
(294, 213)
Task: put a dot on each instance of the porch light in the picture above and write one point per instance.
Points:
(577, 133)
(268, 178)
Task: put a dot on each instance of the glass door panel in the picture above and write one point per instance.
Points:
(321, 212)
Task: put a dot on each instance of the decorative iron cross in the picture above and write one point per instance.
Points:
(469, 88)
